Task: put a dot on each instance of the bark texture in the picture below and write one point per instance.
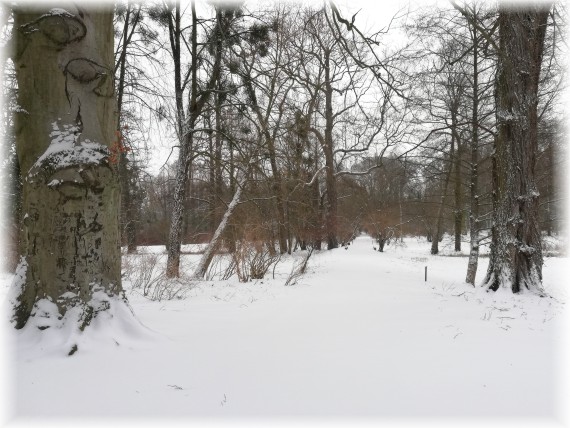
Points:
(70, 265)
(516, 254)
(458, 191)
(332, 202)
(474, 171)
(439, 221)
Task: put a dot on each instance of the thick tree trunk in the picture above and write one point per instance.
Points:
(178, 209)
(178, 200)
(70, 266)
(516, 257)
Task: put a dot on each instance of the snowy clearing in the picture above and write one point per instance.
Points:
(361, 335)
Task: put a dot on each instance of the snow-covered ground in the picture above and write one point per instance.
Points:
(362, 337)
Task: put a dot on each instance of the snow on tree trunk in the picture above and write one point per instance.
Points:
(197, 100)
(458, 190)
(177, 221)
(439, 221)
(474, 173)
(214, 244)
(516, 256)
(70, 260)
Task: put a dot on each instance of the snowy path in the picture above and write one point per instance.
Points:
(361, 335)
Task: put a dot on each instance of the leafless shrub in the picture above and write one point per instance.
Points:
(146, 275)
(230, 269)
(252, 261)
(299, 269)
(553, 246)
(222, 267)
(170, 288)
(142, 271)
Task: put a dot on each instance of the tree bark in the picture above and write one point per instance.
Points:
(516, 257)
(70, 264)
(332, 203)
(128, 207)
(458, 191)
(439, 221)
(178, 200)
(474, 173)
(218, 178)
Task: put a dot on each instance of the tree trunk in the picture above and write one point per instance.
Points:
(550, 189)
(218, 178)
(458, 191)
(128, 207)
(474, 183)
(516, 259)
(439, 221)
(186, 131)
(214, 244)
(277, 185)
(332, 203)
(178, 200)
(70, 265)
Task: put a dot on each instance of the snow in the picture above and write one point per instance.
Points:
(361, 338)
(66, 150)
(58, 11)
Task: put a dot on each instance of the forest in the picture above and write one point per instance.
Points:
(317, 130)
(153, 148)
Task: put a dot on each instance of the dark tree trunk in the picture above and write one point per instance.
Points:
(381, 243)
(128, 205)
(439, 221)
(458, 191)
(332, 203)
(516, 257)
(218, 178)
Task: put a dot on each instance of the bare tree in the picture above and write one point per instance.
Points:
(132, 17)
(267, 78)
(198, 98)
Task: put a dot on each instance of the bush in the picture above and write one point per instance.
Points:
(252, 261)
(146, 275)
